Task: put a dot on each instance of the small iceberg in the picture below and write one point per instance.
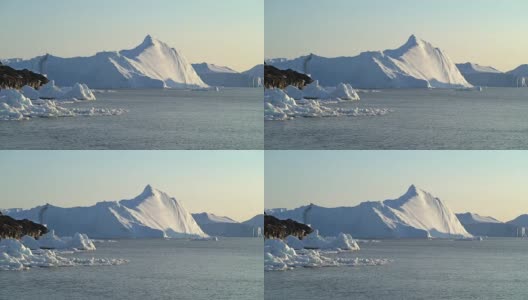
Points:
(15, 106)
(15, 256)
(50, 91)
(278, 256)
(279, 106)
(78, 241)
(343, 242)
(470, 239)
(470, 89)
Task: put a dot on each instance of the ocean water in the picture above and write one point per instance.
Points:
(421, 269)
(421, 119)
(156, 119)
(230, 268)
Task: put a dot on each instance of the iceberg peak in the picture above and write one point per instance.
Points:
(148, 191)
(413, 41)
(148, 40)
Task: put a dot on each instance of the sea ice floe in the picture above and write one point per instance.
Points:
(15, 106)
(343, 242)
(279, 106)
(15, 256)
(278, 256)
(79, 91)
(49, 240)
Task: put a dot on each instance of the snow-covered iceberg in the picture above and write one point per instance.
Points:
(416, 64)
(152, 64)
(343, 242)
(315, 91)
(344, 91)
(15, 106)
(215, 75)
(278, 256)
(279, 106)
(416, 214)
(215, 225)
(14, 256)
(49, 240)
(152, 214)
(489, 76)
(78, 91)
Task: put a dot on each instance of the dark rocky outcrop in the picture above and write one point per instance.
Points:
(276, 78)
(275, 228)
(11, 228)
(16, 79)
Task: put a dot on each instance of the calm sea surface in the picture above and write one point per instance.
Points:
(231, 268)
(495, 118)
(421, 269)
(156, 119)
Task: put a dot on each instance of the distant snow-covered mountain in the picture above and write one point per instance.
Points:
(486, 226)
(471, 68)
(416, 64)
(215, 75)
(521, 221)
(152, 64)
(152, 214)
(257, 221)
(471, 218)
(488, 76)
(521, 71)
(224, 226)
(416, 214)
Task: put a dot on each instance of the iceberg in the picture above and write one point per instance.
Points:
(416, 214)
(78, 91)
(15, 106)
(152, 214)
(30, 92)
(215, 225)
(215, 75)
(152, 64)
(315, 91)
(15, 256)
(279, 256)
(279, 106)
(49, 240)
(416, 64)
(345, 91)
(294, 92)
(343, 242)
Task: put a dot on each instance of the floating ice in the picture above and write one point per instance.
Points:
(315, 91)
(78, 91)
(344, 91)
(30, 92)
(294, 92)
(49, 240)
(279, 256)
(15, 106)
(279, 106)
(343, 242)
(14, 256)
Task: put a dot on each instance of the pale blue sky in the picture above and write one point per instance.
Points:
(227, 183)
(221, 32)
(487, 32)
(484, 182)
